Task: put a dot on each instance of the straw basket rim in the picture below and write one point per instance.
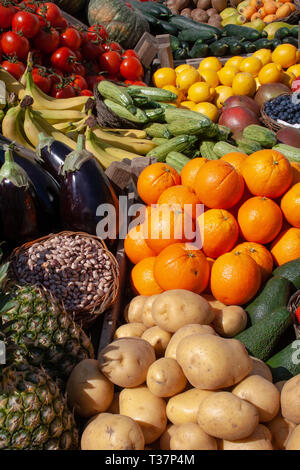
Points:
(293, 304)
(270, 122)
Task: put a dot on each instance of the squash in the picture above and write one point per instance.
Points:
(123, 24)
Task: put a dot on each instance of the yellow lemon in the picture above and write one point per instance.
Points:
(209, 109)
(187, 104)
(294, 70)
(244, 84)
(182, 67)
(264, 55)
(251, 65)
(226, 74)
(285, 55)
(257, 83)
(186, 78)
(222, 93)
(211, 63)
(236, 61)
(210, 77)
(200, 91)
(164, 76)
(270, 73)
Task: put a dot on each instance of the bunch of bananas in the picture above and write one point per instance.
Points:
(64, 119)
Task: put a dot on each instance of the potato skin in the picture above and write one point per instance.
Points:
(130, 330)
(89, 392)
(260, 439)
(114, 406)
(262, 394)
(294, 440)
(183, 408)
(125, 361)
(175, 308)
(146, 409)
(230, 321)
(147, 317)
(261, 368)
(187, 330)
(135, 309)
(164, 442)
(112, 432)
(290, 400)
(211, 362)
(190, 436)
(158, 338)
(165, 378)
(225, 416)
(281, 430)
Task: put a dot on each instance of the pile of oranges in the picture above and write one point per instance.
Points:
(251, 220)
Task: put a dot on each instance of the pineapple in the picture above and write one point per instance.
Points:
(45, 335)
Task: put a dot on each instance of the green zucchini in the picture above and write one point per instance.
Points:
(182, 23)
(153, 22)
(290, 40)
(223, 133)
(222, 148)
(294, 31)
(156, 94)
(248, 146)
(249, 47)
(165, 105)
(177, 144)
(192, 35)
(175, 114)
(236, 47)
(265, 137)
(140, 101)
(175, 43)
(181, 54)
(187, 126)
(152, 8)
(290, 271)
(241, 32)
(291, 153)
(282, 33)
(159, 140)
(158, 130)
(199, 50)
(207, 150)
(155, 115)
(164, 27)
(219, 49)
(286, 363)
(177, 160)
(264, 43)
(117, 94)
(140, 117)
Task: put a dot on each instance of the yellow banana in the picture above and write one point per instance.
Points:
(63, 127)
(12, 126)
(134, 133)
(120, 153)
(93, 145)
(139, 146)
(50, 130)
(54, 117)
(12, 85)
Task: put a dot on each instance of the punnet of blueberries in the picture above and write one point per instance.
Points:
(284, 107)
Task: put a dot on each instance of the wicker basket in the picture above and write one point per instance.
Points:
(293, 18)
(86, 316)
(293, 304)
(107, 118)
(269, 122)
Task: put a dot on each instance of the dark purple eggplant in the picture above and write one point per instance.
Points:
(84, 188)
(20, 212)
(52, 154)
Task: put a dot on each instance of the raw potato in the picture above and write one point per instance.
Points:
(186, 12)
(260, 439)
(226, 416)
(165, 378)
(211, 12)
(211, 362)
(281, 430)
(112, 432)
(183, 408)
(186, 330)
(262, 394)
(180, 4)
(260, 368)
(130, 330)
(280, 385)
(215, 21)
(219, 5)
(175, 308)
(294, 440)
(125, 362)
(200, 15)
(135, 309)
(290, 400)
(230, 321)
(114, 406)
(164, 442)
(146, 409)
(147, 317)
(89, 392)
(190, 436)
(158, 338)
(204, 4)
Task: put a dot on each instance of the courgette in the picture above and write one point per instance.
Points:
(249, 47)
(117, 94)
(294, 32)
(286, 363)
(265, 137)
(152, 20)
(236, 47)
(177, 144)
(219, 49)
(158, 130)
(248, 146)
(152, 8)
(192, 35)
(290, 40)
(188, 126)
(241, 32)
(182, 23)
(165, 105)
(181, 54)
(222, 148)
(291, 153)
(290, 271)
(264, 43)
(164, 27)
(177, 160)
(223, 133)
(156, 94)
(175, 43)
(207, 150)
(282, 33)
(175, 114)
(159, 140)
(155, 115)
(139, 117)
(199, 50)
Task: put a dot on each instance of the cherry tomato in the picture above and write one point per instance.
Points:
(37, 57)
(26, 23)
(79, 83)
(71, 38)
(62, 91)
(12, 44)
(129, 6)
(61, 24)
(29, 5)
(92, 68)
(92, 51)
(105, 46)
(92, 80)
(133, 82)
(6, 16)
(297, 313)
(110, 62)
(79, 69)
(49, 12)
(115, 46)
(84, 38)
(42, 79)
(47, 40)
(64, 59)
(97, 32)
(78, 54)
(131, 68)
(56, 76)
(129, 53)
(15, 68)
(86, 93)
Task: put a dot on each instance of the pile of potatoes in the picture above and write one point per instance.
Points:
(202, 11)
(175, 379)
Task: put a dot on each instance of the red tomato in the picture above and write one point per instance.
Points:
(133, 82)
(92, 51)
(78, 54)
(84, 38)
(297, 313)
(15, 68)
(61, 24)
(42, 79)
(29, 5)
(131, 69)
(92, 80)
(71, 38)
(62, 91)
(129, 53)
(115, 46)
(86, 93)
(79, 69)
(26, 23)
(37, 57)
(79, 82)
(12, 44)
(97, 32)
(6, 16)
(105, 46)
(56, 76)
(64, 59)
(46, 40)
(49, 12)
(110, 62)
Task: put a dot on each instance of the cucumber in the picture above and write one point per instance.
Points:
(207, 150)
(181, 54)
(199, 50)
(177, 160)
(241, 32)
(275, 294)
(286, 363)
(152, 8)
(156, 94)
(264, 43)
(177, 144)
(290, 40)
(192, 35)
(181, 22)
(261, 339)
(219, 49)
(291, 153)
(117, 94)
(153, 22)
(290, 271)
(249, 47)
(187, 126)
(164, 27)
(282, 33)
(140, 117)
(158, 130)
(236, 47)
(294, 32)
(222, 148)
(175, 43)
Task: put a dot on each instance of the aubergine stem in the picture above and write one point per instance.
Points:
(12, 171)
(77, 157)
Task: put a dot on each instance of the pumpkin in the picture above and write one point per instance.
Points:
(123, 24)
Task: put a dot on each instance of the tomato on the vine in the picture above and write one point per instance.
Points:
(47, 40)
(97, 32)
(56, 76)
(30, 5)
(79, 69)
(27, 23)
(61, 24)
(110, 62)
(92, 50)
(131, 69)
(62, 91)
(115, 46)
(37, 57)
(12, 44)
(92, 80)
(133, 82)
(64, 59)
(79, 82)
(71, 38)
(42, 79)
(14, 67)
(78, 54)
(129, 53)
(84, 38)
(6, 16)
(49, 12)
(86, 93)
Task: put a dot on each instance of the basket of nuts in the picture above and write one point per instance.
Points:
(76, 267)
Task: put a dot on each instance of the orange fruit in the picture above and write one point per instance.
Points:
(219, 185)
(219, 232)
(260, 220)
(235, 278)
(296, 172)
(142, 277)
(290, 205)
(181, 196)
(261, 256)
(267, 173)
(135, 245)
(189, 172)
(286, 247)
(165, 225)
(154, 179)
(181, 266)
(236, 159)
